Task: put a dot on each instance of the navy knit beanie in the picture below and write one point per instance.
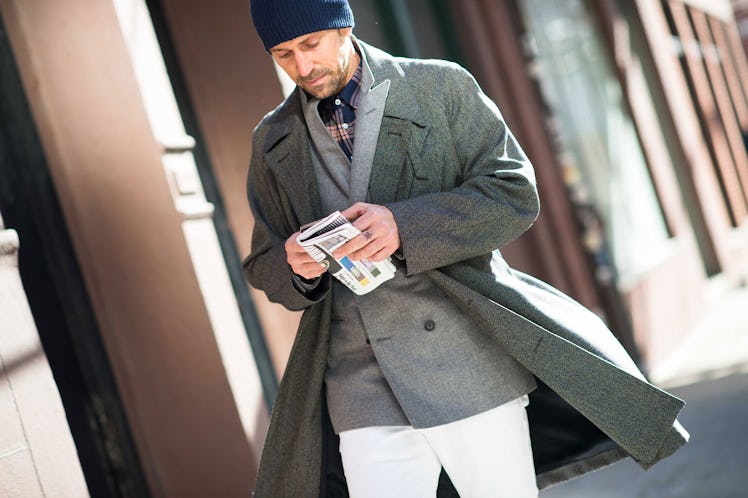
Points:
(278, 21)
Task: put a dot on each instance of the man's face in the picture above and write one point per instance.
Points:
(319, 62)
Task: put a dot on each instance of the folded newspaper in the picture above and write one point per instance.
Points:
(321, 238)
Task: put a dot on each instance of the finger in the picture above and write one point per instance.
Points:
(368, 250)
(381, 255)
(367, 220)
(299, 258)
(292, 246)
(353, 245)
(378, 251)
(355, 211)
(313, 273)
(309, 271)
(379, 222)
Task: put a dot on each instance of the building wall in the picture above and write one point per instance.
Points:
(107, 169)
(218, 39)
(740, 12)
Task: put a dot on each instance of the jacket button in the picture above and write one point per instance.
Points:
(368, 341)
(429, 325)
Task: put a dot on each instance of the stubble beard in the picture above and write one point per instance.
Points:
(327, 88)
(332, 86)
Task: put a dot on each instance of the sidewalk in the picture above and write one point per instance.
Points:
(711, 465)
(718, 347)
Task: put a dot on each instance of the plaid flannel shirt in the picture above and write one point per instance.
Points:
(339, 113)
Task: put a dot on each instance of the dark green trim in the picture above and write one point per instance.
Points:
(441, 12)
(59, 300)
(268, 377)
(398, 27)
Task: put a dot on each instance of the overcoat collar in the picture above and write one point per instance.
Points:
(286, 143)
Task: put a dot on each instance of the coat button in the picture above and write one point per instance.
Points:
(429, 325)
(368, 341)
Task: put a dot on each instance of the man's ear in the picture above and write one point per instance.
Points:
(345, 31)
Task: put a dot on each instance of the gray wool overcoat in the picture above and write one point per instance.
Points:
(460, 187)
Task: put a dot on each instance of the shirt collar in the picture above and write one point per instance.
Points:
(351, 93)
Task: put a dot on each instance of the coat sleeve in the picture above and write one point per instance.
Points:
(496, 200)
(266, 267)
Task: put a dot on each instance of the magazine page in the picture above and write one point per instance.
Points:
(321, 238)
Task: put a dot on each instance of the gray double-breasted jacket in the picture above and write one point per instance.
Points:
(459, 187)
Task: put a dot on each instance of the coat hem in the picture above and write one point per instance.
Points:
(584, 465)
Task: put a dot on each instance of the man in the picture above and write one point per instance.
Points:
(432, 369)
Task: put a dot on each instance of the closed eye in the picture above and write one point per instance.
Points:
(311, 44)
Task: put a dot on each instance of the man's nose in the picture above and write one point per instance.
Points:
(303, 65)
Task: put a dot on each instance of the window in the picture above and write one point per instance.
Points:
(595, 131)
(700, 42)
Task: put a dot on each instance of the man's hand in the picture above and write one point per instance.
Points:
(379, 236)
(300, 261)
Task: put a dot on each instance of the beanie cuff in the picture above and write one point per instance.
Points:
(278, 21)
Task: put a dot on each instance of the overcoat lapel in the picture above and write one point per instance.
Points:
(389, 160)
(401, 137)
(288, 156)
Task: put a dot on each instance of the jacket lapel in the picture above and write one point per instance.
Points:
(368, 125)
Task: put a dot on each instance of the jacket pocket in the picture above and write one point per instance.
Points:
(424, 176)
(401, 170)
(421, 171)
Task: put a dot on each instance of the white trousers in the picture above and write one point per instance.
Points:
(487, 455)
